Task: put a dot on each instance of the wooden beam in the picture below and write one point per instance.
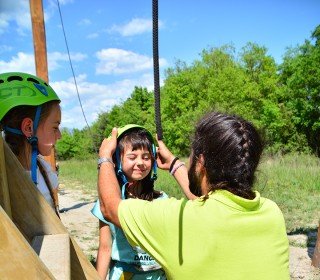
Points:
(39, 39)
(33, 216)
(18, 259)
(316, 254)
(4, 190)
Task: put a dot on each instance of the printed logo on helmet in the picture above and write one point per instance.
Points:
(15, 91)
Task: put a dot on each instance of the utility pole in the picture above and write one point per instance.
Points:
(40, 53)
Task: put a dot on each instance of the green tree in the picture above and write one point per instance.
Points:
(137, 109)
(300, 78)
(74, 144)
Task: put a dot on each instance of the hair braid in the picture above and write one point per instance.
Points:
(245, 174)
(231, 147)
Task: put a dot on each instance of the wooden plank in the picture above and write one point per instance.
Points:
(316, 254)
(30, 211)
(80, 261)
(4, 190)
(34, 216)
(54, 251)
(18, 259)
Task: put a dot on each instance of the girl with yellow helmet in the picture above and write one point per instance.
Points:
(136, 169)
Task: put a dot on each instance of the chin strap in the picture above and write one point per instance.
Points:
(33, 141)
(120, 174)
(154, 175)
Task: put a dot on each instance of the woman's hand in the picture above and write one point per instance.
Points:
(109, 145)
(165, 157)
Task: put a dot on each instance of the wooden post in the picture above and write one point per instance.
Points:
(39, 39)
(316, 254)
(40, 53)
(4, 189)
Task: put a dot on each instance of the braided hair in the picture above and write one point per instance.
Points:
(231, 148)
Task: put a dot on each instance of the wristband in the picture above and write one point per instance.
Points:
(176, 168)
(172, 163)
(104, 159)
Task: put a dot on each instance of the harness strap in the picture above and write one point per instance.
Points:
(52, 191)
(12, 130)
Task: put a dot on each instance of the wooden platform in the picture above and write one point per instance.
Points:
(26, 220)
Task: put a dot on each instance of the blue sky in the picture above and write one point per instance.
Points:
(111, 41)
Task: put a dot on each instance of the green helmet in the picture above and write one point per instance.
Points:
(17, 88)
(126, 128)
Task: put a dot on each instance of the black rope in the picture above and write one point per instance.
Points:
(156, 69)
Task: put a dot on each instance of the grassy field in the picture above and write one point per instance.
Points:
(292, 181)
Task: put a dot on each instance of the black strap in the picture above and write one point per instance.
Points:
(172, 163)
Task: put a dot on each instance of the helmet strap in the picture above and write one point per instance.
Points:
(120, 174)
(33, 140)
(154, 175)
(12, 130)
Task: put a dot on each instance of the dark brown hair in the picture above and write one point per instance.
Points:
(13, 119)
(140, 139)
(231, 148)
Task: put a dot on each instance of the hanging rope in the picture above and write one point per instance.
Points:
(71, 66)
(156, 69)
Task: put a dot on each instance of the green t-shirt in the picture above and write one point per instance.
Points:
(222, 237)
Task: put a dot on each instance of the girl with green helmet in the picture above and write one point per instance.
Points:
(136, 169)
(30, 116)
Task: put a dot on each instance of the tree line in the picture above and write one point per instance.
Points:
(283, 100)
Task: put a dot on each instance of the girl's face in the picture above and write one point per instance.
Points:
(48, 131)
(136, 164)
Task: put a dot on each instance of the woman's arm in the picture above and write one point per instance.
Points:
(108, 186)
(104, 250)
(180, 172)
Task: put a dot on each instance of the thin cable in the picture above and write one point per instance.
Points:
(74, 77)
(156, 69)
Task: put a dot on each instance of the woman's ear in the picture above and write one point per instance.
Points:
(27, 127)
(200, 165)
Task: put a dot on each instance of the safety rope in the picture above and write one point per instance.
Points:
(156, 69)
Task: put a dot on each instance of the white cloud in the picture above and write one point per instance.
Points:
(5, 48)
(119, 61)
(17, 11)
(23, 62)
(135, 27)
(93, 36)
(85, 22)
(95, 98)
(55, 57)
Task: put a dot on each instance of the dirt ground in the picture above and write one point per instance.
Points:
(75, 214)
